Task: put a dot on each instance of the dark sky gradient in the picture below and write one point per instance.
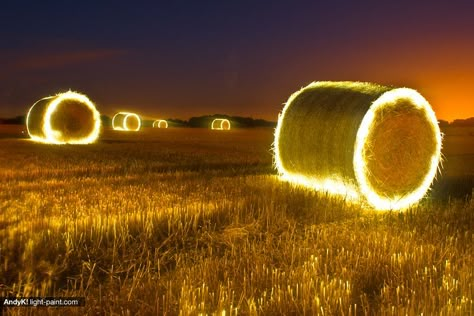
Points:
(189, 58)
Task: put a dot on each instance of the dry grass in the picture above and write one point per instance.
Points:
(188, 221)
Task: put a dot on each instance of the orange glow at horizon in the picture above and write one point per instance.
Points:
(441, 69)
(451, 100)
(443, 76)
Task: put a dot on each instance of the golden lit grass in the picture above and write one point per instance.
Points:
(170, 229)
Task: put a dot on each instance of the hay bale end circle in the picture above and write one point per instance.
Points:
(364, 141)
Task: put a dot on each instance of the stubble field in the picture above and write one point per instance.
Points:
(194, 221)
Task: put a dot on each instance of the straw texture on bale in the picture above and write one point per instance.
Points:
(126, 121)
(160, 124)
(368, 142)
(220, 124)
(66, 118)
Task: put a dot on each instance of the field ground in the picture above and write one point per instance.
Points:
(189, 221)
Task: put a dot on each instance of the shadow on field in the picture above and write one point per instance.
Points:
(217, 169)
(117, 141)
(13, 131)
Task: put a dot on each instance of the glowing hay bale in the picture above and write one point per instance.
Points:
(220, 124)
(360, 140)
(160, 124)
(126, 121)
(66, 118)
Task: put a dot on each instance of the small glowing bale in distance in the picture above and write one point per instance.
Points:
(126, 121)
(160, 124)
(220, 124)
(66, 118)
(371, 143)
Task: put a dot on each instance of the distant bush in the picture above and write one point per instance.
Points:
(236, 121)
(443, 123)
(17, 120)
(466, 122)
(106, 121)
(201, 121)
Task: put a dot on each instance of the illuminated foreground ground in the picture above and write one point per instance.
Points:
(188, 221)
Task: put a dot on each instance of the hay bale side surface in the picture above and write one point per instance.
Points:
(317, 134)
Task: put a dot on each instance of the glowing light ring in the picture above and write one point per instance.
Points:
(52, 136)
(32, 136)
(354, 191)
(361, 172)
(124, 125)
(222, 123)
(158, 123)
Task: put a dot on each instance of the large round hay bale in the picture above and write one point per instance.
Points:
(68, 117)
(160, 124)
(220, 124)
(126, 121)
(364, 141)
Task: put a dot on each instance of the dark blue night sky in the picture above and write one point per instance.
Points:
(188, 58)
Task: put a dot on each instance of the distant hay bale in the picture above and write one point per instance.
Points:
(66, 118)
(160, 124)
(126, 121)
(220, 124)
(359, 140)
